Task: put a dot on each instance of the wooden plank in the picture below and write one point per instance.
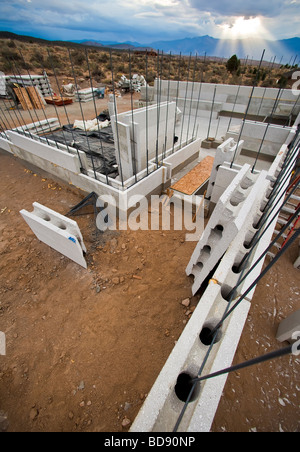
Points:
(58, 101)
(23, 97)
(193, 180)
(35, 98)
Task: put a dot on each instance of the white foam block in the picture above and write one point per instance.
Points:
(56, 231)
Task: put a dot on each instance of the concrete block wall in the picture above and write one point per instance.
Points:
(42, 150)
(162, 407)
(224, 153)
(57, 231)
(233, 98)
(227, 219)
(133, 150)
(254, 132)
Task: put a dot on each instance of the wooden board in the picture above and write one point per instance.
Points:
(35, 97)
(195, 178)
(23, 97)
(58, 101)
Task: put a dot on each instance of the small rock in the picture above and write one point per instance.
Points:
(81, 386)
(140, 250)
(116, 280)
(33, 414)
(82, 404)
(89, 403)
(98, 289)
(71, 415)
(186, 302)
(126, 422)
(127, 406)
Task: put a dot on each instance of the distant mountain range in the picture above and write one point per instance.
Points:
(285, 50)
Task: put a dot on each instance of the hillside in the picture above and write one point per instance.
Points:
(22, 53)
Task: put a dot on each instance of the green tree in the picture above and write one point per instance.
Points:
(233, 64)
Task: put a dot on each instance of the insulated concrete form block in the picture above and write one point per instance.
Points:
(234, 98)
(5, 145)
(227, 219)
(123, 149)
(151, 133)
(56, 231)
(254, 132)
(297, 262)
(224, 153)
(228, 272)
(288, 327)
(53, 155)
(162, 407)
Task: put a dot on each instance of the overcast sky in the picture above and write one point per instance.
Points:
(146, 21)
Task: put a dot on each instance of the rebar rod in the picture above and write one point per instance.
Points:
(211, 112)
(96, 113)
(186, 91)
(116, 118)
(177, 94)
(132, 120)
(267, 128)
(64, 106)
(191, 101)
(248, 106)
(199, 94)
(82, 114)
(46, 118)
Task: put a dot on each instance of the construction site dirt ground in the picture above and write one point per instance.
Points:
(84, 347)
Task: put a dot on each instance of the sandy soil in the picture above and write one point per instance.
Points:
(17, 117)
(84, 347)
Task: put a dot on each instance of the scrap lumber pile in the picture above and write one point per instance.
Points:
(58, 101)
(29, 98)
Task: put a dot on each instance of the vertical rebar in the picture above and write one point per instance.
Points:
(147, 119)
(82, 114)
(185, 98)
(212, 110)
(191, 101)
(28, 72)
(199, 94)
(132, 120)
(267, 128)
(60, 93)
(177, 94)
(116, 118)
(96, 113)
(248, 106)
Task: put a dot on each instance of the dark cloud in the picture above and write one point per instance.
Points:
(265, 8)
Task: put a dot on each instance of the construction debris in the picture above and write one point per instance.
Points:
(58, 101)
(40, 127)
(40, 81)
(137, 81)
(91, 126)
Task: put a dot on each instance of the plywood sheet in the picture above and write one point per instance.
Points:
(195, 178)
